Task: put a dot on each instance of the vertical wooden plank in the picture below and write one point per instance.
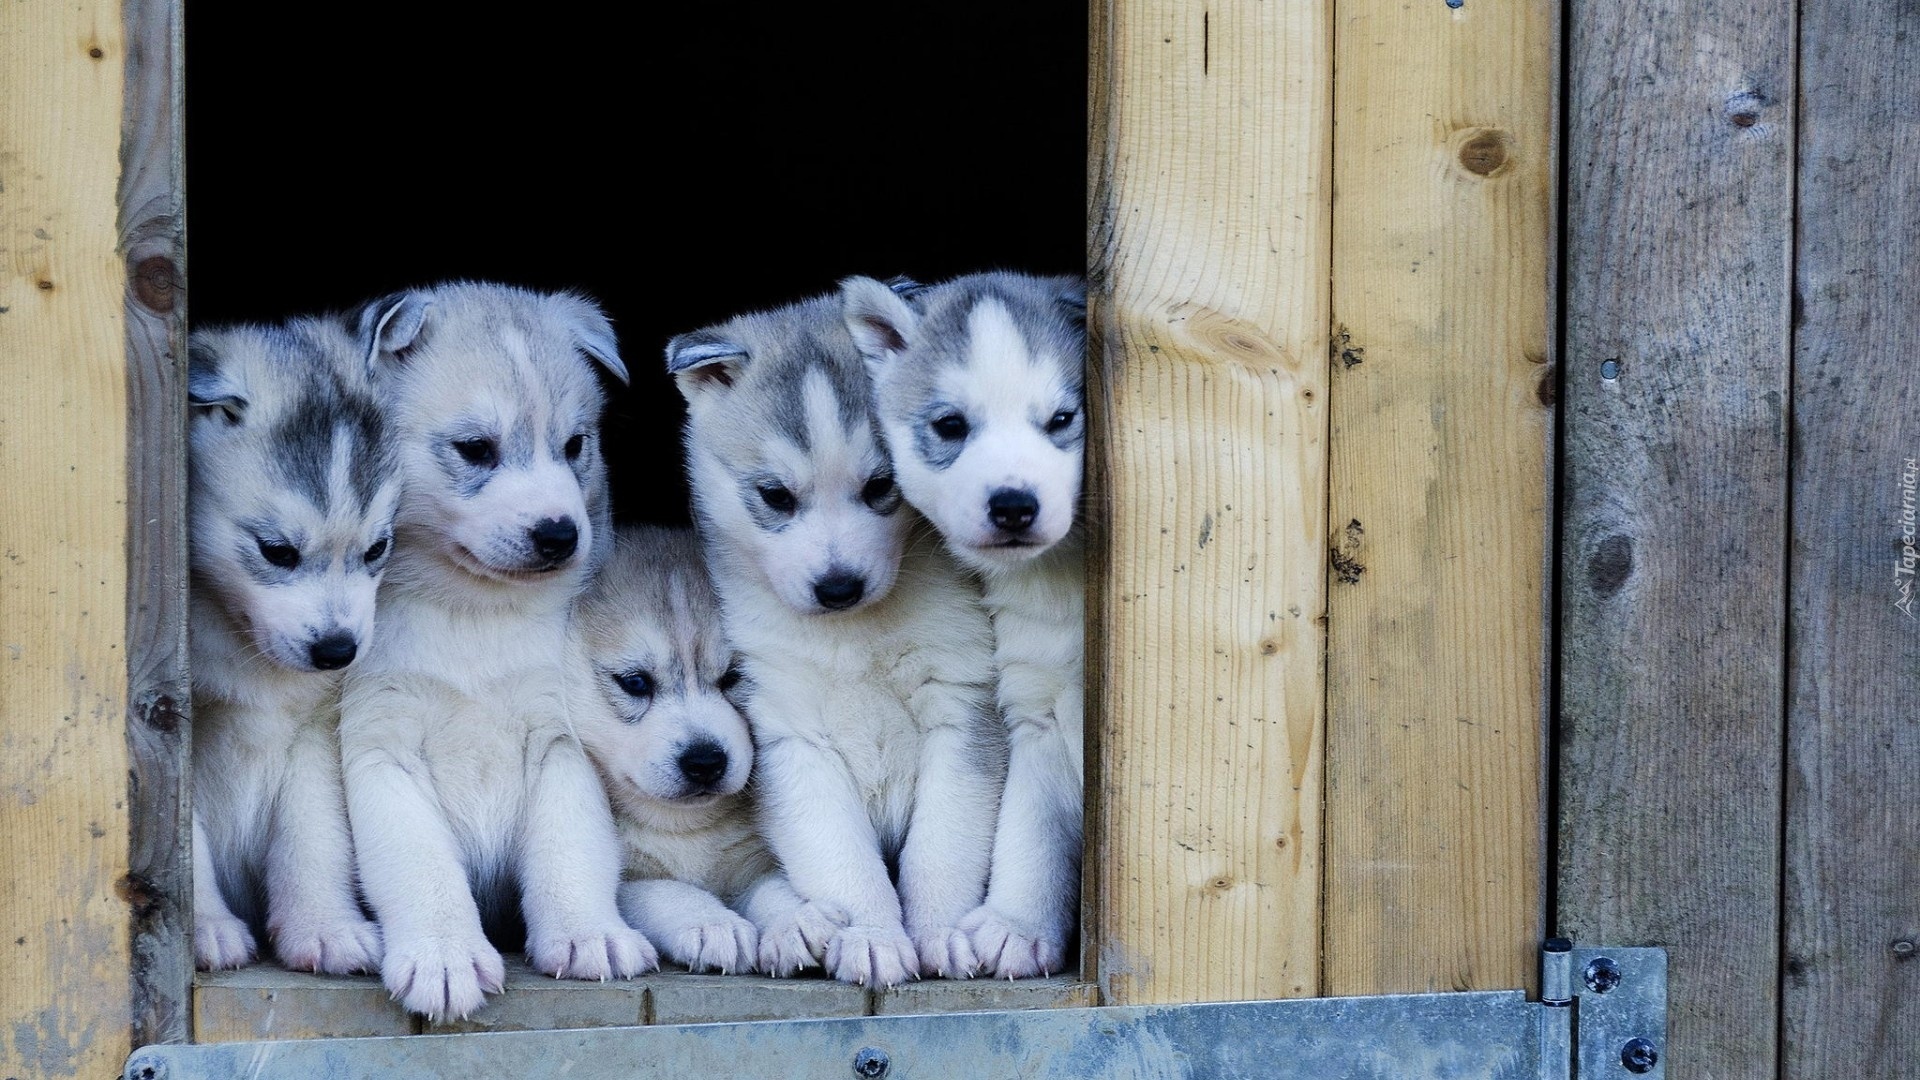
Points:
(64, 1003)
(1680, 144)
(159, 882)
(1443, 391)
(1851, 1003)
(1208, 255)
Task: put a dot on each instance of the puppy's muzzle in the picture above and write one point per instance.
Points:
(839, 590)
(703, 764)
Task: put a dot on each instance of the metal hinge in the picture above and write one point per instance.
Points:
(1602, 1013)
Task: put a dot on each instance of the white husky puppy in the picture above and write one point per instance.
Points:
(293, 489)
(676, 754)
(467, 787)
(865, 646)
(980, 391)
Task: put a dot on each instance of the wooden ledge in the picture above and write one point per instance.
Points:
(267, 1002)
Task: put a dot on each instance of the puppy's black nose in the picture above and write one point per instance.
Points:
(333, 652)
(839, 590)
(703, 763)
(1013, 510)
(555, 538)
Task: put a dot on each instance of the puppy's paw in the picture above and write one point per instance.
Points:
(872, 956)
(726, 944)
(798, 940)
(222, 941)
(343, 945)
(1011, 948)
(443, 977)
(945, 953)
(611, 952)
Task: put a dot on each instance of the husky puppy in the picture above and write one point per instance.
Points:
(676, 752)
(980, 392)
(867, 652)
(293, 489)
(466, 785)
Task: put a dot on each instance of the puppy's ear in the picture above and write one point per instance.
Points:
(389, 327)
(210, 391)
(593, 333)
(1071, 294)
(879, 318)
(703, 364)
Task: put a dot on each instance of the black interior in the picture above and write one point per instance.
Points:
(678, 163)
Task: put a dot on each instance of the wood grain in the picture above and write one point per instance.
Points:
(1442, 427)
(1851, 995)
(153, 252)
(64, 835)
(1680, 185)
(1208, 259)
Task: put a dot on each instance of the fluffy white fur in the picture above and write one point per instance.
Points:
(466, 784)
(266, 641)
(877, 747)
(995, 360)
(676, 753)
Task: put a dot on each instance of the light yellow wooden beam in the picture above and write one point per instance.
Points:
(65, 1000)
(1209, 254)
(1442, 410)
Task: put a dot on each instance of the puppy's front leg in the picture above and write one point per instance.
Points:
(1022, 929)
(438, 961)
(569, 870)
(818, 826)
(220, 938)
(949, 843)
(313, 914)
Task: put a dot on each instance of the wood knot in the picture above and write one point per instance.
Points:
(155, 284)
(139, 894)
(162, 714)
(1485, 151)
(1611, 565)
(1268, 647)
(96, 52)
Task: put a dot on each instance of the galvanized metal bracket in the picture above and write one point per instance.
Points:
(1602, 1014)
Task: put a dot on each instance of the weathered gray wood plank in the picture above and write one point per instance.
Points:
(158, 885)
(1851, 1003)
(1680, 182)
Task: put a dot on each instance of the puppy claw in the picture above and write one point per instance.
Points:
(946, 953)
(872, 956)
(724, 946)
(798, 941)
(442, 979)
(343, 946)
(1011, 949)
(221, 942)
(613, 953)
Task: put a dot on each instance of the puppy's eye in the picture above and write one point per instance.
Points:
(377, 552)
(574, 446)
(877, 489)
(481, 452)
(636, 683)
(729, 678)
(951, 427)
(1060, 421)
(284, 556)
(779, 498)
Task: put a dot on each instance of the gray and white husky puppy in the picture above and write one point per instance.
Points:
(868, 654)
(293, 488)
(979, 383)
(466, 784)
(676, 753)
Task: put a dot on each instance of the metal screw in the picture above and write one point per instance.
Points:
(1602, 974)
(147, 1069)
(871, 1063)
(1639, 1056)
(1609, 369)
